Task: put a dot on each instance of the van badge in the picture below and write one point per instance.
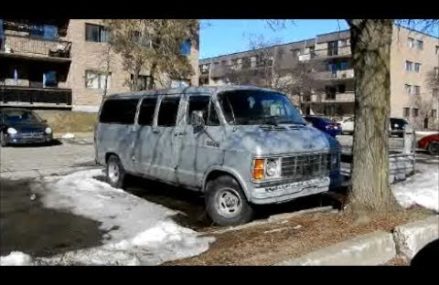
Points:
(212, 143)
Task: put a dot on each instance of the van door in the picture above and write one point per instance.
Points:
(165, 139)
(200, 148)
(145, 144)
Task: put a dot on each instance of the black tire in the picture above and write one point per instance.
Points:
(433, 148)
(218, 191)
(114, 165)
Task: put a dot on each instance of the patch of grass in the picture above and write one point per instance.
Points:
(68, 121)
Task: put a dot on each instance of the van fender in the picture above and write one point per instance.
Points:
(228, 171)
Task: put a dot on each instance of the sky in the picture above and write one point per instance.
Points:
(219, 37)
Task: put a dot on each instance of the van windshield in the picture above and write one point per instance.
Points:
(255, 107)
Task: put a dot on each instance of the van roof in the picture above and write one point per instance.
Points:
(203, 89)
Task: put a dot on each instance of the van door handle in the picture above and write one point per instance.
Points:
(156, 131)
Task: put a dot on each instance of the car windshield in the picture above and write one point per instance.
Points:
(19, 116)
(255, 107)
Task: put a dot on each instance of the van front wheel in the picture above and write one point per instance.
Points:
(115, 172)
(226, 204)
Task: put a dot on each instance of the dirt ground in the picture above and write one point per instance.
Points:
(271, 243)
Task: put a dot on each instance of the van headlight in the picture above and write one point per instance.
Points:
(272, 168)
(48, 131)
(266, 168)
(12, 131)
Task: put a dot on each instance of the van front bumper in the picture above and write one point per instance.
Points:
(283, 192)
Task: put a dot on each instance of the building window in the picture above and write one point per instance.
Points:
(411, 42)
(332, 48)
(96, 33)
(419, 44)
(142, 81)
(434, 113)
(436, 72)
(96, 79)
(344, 65)
(49, 32)
(437, 50)
(417, 90)
(415, 112)
(330, 92)
(435, 92)
(417, 67)
(50, 79)
(185, 48)
(246, 62)
(408, 88)
(406, 112)
(341, 88)
(408, 65)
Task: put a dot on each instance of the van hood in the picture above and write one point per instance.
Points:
(270, 140)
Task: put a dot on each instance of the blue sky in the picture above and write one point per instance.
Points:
(229, 36)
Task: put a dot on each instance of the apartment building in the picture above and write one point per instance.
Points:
(414, 55)
(65, 64)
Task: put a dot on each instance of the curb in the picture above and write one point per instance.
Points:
(370, 249)
(375, 248)
(412, 237)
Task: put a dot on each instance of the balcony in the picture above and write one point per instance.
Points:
(25, 96)
(325, 53)
(35, 48)
(338, 75)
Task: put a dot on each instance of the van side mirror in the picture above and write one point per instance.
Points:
(197, 119)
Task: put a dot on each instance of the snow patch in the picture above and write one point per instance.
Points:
(141, 232)
(15, 258)
(421, 189)
(68, 136)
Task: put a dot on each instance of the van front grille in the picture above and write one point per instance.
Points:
(306, 166)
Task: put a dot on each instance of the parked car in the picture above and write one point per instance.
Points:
(22, 126)
(397, 126)
(347, 125)
(325, 125)
(240, 146)
(430, 143)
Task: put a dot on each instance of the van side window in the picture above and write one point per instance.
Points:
(119, 111)
(146, 114)
(203, 103)
(198, 103)
(168, 111)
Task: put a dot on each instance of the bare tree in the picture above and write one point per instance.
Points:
(153, 46)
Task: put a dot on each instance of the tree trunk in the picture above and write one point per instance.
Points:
(371, 41)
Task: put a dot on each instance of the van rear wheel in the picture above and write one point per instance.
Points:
(115, 172)
(226, 204)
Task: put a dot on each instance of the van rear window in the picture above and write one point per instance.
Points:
(119, 111)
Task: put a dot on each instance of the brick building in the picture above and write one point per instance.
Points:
(62, 64)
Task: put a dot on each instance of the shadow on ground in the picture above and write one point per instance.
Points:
(29, 227)
(190, 204)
